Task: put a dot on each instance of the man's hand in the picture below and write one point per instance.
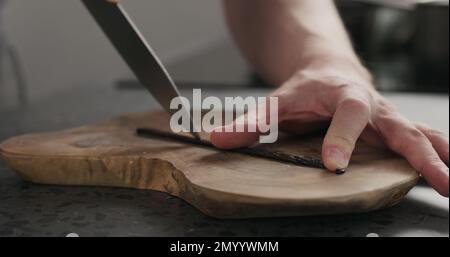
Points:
(332, 90)
(302, 46)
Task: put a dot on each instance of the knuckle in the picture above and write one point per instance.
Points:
(430, 163)
(414, 134)
(343, 141)
(437, 133)
(357, 105)
(430, 131)
(385, 118)
(385, 104)
(385, 110)
(434, 161)
(407, 138)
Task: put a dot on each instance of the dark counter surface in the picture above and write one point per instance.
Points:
(37, 210)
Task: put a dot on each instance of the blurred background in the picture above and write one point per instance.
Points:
(48, 46)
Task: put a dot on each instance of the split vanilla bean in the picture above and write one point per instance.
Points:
(255, 151)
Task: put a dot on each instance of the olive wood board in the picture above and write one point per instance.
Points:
(219, 184)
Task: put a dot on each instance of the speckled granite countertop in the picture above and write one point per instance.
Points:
(37, 210)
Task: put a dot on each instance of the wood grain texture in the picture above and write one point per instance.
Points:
(223, 185)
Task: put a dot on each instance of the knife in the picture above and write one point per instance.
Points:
(136, 52)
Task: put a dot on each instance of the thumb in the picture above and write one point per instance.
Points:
(245, 130)
(228, 137)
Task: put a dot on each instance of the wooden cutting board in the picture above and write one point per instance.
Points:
(224, 185)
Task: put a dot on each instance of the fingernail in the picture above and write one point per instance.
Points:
(340, 171)
(337, 158)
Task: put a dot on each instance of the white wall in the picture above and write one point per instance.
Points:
(62, 47)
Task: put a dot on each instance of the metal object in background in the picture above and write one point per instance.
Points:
(135, 50)
(404, 42)
(431, 41)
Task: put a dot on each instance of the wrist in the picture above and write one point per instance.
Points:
(338, 64)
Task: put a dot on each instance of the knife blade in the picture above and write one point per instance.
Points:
(136, 52)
